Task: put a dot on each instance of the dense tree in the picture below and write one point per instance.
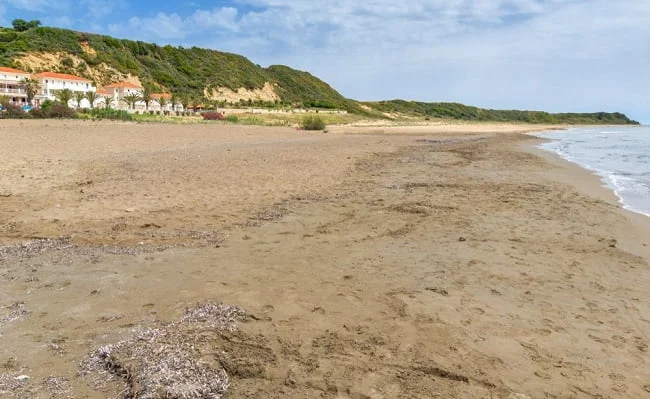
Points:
(20, 25)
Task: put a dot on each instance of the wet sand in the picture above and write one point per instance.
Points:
(431, 262)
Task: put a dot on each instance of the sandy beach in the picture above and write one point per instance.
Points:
(443, 261)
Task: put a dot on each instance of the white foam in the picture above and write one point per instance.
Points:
(617, 156)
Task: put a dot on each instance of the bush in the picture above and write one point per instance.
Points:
(232, 118)
(113, 114)
(312, 122)
(213, 116)
(11, 111)
(61, 111)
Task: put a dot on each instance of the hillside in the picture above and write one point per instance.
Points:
(195, 71)
(226, 77)
(469, 113)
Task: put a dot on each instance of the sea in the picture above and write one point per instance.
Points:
(619, 155)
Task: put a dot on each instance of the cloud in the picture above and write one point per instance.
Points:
(98, 9)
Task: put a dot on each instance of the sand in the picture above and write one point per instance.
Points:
(414, 262)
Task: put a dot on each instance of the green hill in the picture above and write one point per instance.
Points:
(469, 113)
(186, 70)
(196, 72)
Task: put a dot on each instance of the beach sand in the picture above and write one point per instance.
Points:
(410, 262)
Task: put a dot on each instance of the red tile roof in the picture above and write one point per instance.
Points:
(157, 96)
(11, 70)
(104, 92)
(123, 85)
(62, 76)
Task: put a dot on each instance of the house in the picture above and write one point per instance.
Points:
(52, 82)
(119, 90)
(156, 102)
(10, 85)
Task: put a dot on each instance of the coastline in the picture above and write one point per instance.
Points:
(630, 235)
(464, 264)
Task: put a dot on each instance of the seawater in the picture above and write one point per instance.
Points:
(619, 155)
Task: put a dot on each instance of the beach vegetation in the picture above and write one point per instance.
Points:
(312, 122)
(112, 114)
(213, 116)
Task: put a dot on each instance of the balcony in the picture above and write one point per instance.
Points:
(11, 90)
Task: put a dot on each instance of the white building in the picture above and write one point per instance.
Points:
(52, 82)
(10, 85)
(118, 90)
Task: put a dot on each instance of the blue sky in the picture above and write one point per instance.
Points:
(554, 55)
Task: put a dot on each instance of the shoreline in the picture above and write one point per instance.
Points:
(590, 183)
(465, 264)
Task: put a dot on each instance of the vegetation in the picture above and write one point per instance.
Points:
(92, 97)
(312, 122)
(213, 116)
(131, 100)
(464, 112)
(186, 71)
(64, 96)
(113, 114)
(78, 97)
(31, 86)
(20, 25)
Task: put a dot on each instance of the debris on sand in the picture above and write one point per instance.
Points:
(163, 361)
(14, 312)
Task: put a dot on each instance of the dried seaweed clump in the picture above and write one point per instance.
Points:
(163, 362)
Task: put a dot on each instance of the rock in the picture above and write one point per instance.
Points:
(462, 239)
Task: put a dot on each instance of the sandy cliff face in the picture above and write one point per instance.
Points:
(266, 93)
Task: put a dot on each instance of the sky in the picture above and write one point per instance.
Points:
(551, 55)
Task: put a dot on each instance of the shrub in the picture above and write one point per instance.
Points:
(61, 111)
(213, 116)
(113, 114)
(312, 122)
(157, 112)
(11, 111)
(232, 118)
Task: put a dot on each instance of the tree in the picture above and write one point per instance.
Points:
(132, 99)
(79, 96)
(20, 25)
(92, 96)
(4, 100)
(163, 102)
(146, 98)
(174, 101)
(184, 101)
(32, 86)
(110, 100)
(64, 96)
